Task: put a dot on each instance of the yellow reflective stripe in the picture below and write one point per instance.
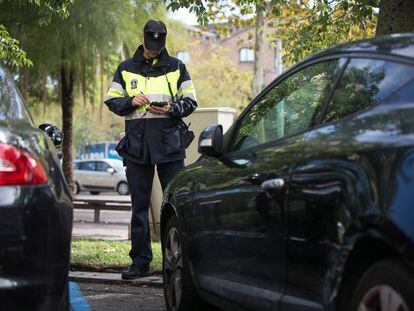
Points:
(136, 83)
(131, 80)
(188, 90)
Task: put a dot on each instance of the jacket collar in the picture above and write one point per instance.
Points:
(163, 58)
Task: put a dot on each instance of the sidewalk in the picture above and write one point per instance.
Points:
(114, 278)
(100, 231)
(113, 225)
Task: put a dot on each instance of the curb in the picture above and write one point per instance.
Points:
(114, 278)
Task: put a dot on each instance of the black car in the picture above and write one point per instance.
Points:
(307, 202)
(35, 210)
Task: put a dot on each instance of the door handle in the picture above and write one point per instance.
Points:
(273, 184)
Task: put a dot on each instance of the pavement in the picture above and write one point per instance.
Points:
(107, 291)
(114, 278)
(104, 297)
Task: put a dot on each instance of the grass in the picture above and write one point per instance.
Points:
(97, 253)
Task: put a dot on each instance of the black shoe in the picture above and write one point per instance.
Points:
(134, 272)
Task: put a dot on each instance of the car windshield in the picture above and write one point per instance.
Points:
(117, 164)
(12, 106)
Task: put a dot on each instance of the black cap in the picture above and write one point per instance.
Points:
(155, 33)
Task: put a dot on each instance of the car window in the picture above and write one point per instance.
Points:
(117, 164)
(76, 166)
(370, 81)
(12, 106)
(87, 166)
(102, 166)
(288, 108)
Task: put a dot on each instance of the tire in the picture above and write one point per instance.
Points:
(386, 278)
(77, 188)
(94, 192)
(188, 298)
(122, 188)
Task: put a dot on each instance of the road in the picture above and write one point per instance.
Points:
(101, 297)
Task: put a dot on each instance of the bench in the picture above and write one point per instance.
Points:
(99, 204)
(112, 204)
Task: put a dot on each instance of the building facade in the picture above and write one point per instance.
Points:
(239, 45)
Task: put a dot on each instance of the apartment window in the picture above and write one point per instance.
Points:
(184, 56)
(246, 55)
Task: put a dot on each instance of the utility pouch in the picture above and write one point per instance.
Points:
(186, 135)
(130, 145)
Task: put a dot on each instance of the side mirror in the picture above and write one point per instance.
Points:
(54, 133)
(111, 170)
(210, 142)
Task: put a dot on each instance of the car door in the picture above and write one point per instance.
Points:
(104, 179)
(85, 172)
(238, 216)
(335, 178)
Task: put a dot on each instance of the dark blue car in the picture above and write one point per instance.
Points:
(35, 210)
(307, 201)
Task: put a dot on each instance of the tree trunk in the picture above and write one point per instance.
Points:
(43, 88)
(395, 16)
(102, 88)
(67, 77)
(83, 78)
(93, 81)
(258, 83)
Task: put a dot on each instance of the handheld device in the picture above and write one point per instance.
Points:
(157, 104)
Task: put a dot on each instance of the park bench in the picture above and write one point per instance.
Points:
(111, 204)
(99, 204)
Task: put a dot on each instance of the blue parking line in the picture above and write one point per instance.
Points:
(77, 301)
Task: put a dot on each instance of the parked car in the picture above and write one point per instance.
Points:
(306, 202)
(35, 210)
(100, 175)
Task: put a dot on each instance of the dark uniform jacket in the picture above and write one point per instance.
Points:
(150, 138)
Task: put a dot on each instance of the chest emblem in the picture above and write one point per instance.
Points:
(134, 83)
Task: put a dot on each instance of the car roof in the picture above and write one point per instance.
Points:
(396, 44)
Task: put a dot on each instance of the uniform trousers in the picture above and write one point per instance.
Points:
(140, 179)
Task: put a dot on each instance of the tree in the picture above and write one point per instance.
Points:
(307, 26)
(87, 38)
(10, 51)
(217, 81)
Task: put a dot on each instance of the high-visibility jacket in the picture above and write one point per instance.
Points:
(153, 138)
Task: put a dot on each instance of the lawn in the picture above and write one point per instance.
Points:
(112, 254)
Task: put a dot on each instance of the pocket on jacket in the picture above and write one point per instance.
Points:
(130, 145)
(170, 140)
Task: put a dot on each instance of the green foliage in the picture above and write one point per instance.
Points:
(108, 253)
(10, 51)
(305, 26)
(217, 80)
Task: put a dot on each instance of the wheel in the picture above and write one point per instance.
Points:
(94, 192)
(386, 286)
(123, 188)
(77, 188)
(179, 291)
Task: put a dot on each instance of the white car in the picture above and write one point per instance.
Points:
(100, 175)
